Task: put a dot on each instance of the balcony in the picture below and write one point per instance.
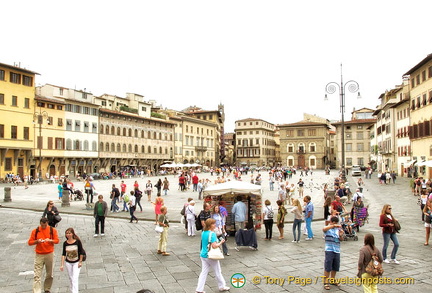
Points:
(200, 148)
(301, 152)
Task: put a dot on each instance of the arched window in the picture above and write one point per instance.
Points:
(290, 149)
(136, 132)
(86, 145)
(160, 150)
(149, 134)
(118, 148)
(149, 149)
(124, 131)
(130, 132)
(107, 129)
(113, 147)
(166, 151)
(154, 135)
(142, 149)
(312, 147)
(136, 148)
(94, 146)
(107, 149)
(118, 131)
(130, 148)
(142, 133)
(101, 129)
(160, 136)
(69, 144)
(112, 130)
(124, 148)
(77, 145)
(155, 150)
(101, 147)
(301, 148)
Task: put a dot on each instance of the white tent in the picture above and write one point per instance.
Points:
(235, 187)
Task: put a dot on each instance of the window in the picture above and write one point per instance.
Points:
(1, 99)
(348, 135)
(50, 143)
(26, 133)
(15, 77)
(349, 161)
(2, 74)
(77, 109)
(312, 148)
(360, 147)
(14, 101)
(27, 80)
(312, 132)
(8, 164)
(348, 147)
(77, 125)
(68, 124)
(68, 108)
(14, 132)
(359, 135)
(50, 120)
(300, 132)
(26, 103)
(94, 127)
(59, 121)
(86, 110)
(1, 130)
(59, 143)
(86, 126)
(360, 161)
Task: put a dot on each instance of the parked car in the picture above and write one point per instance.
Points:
(356, 171)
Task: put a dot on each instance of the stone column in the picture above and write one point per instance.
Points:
(7, 194)
(65, 199)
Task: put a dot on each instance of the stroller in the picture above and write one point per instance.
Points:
(348, 227)
(78, 195)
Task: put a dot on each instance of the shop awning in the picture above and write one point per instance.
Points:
(410, 163)
(234, 187)
(425, 163)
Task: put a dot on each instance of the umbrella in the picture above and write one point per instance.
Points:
(167, 166)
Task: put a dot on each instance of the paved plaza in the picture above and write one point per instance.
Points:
(125, 260)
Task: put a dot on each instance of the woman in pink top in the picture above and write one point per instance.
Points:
(159, 202)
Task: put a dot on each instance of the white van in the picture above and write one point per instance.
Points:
(356, 170)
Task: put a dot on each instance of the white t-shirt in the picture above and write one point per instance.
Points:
(267, 210)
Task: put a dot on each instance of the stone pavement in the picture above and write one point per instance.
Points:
(125, 260)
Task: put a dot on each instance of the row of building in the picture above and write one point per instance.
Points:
(51, 130)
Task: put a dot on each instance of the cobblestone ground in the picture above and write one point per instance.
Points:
(125, 260)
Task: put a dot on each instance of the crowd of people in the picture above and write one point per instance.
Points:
(339, 206)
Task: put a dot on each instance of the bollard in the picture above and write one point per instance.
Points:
(7, 194)
(65, 198)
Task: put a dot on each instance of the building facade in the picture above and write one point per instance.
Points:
(256, 144)
(305, 144)
(17, 109)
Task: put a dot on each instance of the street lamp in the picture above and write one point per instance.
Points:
(353, 87)
(40, 117)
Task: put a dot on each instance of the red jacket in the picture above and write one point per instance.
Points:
(384, 223)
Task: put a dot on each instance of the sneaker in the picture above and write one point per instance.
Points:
(294, 241)
(395, 261)
(308, 239)
(386, 261)
(102, 234)
(96, 235)
(298, 241)
(224, 289)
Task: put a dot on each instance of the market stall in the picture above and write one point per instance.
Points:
(227, 193)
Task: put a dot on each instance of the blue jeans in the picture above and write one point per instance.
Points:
(114, 206)
(309, 227)
(297, 225)
(387, 237)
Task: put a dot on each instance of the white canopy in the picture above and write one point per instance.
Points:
(233, 187)
(425, 163)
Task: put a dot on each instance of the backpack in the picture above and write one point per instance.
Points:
(374, 267)
(270, 213)
(183, 211)
(138, 194)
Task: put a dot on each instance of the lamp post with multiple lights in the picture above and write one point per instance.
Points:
(331, 88)
(39, 118)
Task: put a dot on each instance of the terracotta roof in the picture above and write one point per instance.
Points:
(420, 64)
(133, 115)
(18, 68)
(303, 123)
(357, 121)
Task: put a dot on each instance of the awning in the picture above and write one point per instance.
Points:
(410, 163)
(425, 163)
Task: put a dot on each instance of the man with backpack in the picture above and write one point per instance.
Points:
(44, 237)
(115, 194)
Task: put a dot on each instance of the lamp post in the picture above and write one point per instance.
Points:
(40, 117)
(330, 88)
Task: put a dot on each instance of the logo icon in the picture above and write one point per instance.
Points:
(238, 280)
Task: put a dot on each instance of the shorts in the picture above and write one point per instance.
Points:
(428, 225)
(332, 261)
(280, 225)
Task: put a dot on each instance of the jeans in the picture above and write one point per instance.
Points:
(101, 220)
(309, 227)
(89, 193)
(387, 237)
(114, 206)
(297, 225)
(131, 212)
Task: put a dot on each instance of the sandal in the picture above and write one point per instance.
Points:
(426, 244)
(327, 286)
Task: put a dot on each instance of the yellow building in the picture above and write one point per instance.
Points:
(420, 129)
(17, 93)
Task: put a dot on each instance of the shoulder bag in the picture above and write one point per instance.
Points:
(158, 228)
(397, 226)
(214, 253)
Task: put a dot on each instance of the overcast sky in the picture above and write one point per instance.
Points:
(261, 59)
